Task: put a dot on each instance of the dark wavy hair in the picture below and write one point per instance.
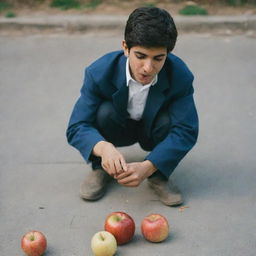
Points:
(150, 27)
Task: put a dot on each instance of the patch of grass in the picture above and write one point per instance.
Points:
(92, 4)
(150, 4)
(235, 2)
(4, 6)
(65, 4)
(240, 2)
(193, 10)
(10, 14)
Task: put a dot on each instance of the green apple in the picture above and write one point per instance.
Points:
(103, 243)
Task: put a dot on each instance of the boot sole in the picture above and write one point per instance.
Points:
(176, 203)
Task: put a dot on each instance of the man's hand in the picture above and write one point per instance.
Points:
(136, 173)
(112, 160)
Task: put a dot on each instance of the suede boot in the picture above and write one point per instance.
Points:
(94, 185)
(167, 192)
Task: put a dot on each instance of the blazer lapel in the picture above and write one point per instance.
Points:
(155, 100)
(120, 97)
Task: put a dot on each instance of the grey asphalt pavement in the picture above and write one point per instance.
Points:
(40, 78)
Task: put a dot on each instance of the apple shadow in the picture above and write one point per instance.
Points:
(50, 251)
(172, 237)
(138, 240)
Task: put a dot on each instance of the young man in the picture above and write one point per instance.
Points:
(142, 94)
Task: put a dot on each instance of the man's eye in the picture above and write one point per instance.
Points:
(140, 56)
(158, 59)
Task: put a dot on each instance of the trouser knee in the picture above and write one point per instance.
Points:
(108, 123)
(160, 127)
(159, 131)
(105, 114)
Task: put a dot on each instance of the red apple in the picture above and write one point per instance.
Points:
(155, 228)
(121, 225)
(34, 243)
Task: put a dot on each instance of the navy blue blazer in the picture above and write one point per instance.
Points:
(105, 79)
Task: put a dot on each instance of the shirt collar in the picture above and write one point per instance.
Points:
(129, 77)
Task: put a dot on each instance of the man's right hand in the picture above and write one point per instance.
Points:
(112, 160)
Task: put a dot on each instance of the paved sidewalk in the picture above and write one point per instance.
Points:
(40, 174)
(72, 23)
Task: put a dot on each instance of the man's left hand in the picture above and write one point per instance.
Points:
(136, 173)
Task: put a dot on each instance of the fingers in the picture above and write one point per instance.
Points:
(123, 164)
(110, 168)
(134, 175)
(118, 166)
(123, 175)
(129, 182)
(129, 179)
(115, 166)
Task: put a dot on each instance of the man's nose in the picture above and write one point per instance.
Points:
(148, 66)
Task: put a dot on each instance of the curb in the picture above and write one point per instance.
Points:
(65, 22)
(228, 23)
(72, 23)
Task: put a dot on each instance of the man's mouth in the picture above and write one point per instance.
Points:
(145, 76)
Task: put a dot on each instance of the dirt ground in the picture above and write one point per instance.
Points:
(125, 7)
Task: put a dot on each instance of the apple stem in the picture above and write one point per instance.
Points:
(102, 237)
(32, 238)
(118, 218)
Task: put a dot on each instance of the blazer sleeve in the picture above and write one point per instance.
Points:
(183, 132)
(81, 132)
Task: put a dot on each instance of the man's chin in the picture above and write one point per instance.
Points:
(145, 80)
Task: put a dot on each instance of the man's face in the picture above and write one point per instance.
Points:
(145, 63)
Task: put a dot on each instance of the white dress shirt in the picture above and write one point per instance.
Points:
(138, 94)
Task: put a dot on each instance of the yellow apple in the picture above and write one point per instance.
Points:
(103, 243)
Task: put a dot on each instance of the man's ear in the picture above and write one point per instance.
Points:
(125, 48)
